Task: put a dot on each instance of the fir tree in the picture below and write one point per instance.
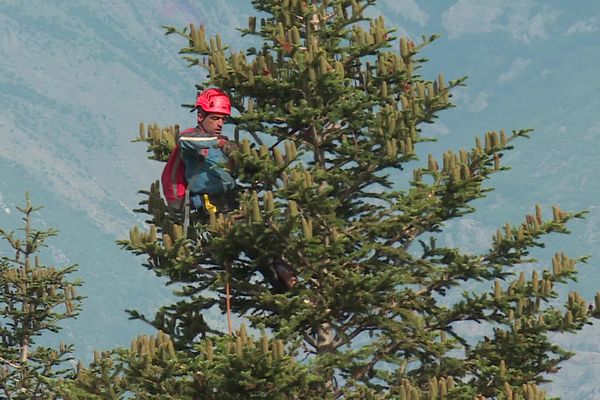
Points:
(330, 109)
(34, 299)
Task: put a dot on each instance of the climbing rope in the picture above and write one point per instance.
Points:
(228, 299)
(211, 209)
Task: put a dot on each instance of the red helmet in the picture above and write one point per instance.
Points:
(214, 101)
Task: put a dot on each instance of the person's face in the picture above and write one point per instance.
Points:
(212, 123)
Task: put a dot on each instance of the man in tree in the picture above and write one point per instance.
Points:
(197, 175)
(196, 166)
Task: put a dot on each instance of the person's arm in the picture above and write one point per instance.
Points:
(193, 144)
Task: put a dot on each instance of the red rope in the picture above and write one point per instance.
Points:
(228, 303)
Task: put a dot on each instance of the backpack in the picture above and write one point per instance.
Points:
(196, 164)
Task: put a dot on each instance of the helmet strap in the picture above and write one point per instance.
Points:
(201, 118)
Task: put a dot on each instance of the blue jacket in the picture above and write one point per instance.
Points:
(205, 163)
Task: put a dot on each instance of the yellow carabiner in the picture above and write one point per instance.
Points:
(210, 207)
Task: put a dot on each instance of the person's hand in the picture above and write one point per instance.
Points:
(229, 147)
(221, 140)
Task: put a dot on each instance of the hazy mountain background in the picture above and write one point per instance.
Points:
(76, 78)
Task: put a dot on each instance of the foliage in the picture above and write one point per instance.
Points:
(34, 299)
(330, 108)
(228, 369)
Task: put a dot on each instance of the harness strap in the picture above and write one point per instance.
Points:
(186, 211)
